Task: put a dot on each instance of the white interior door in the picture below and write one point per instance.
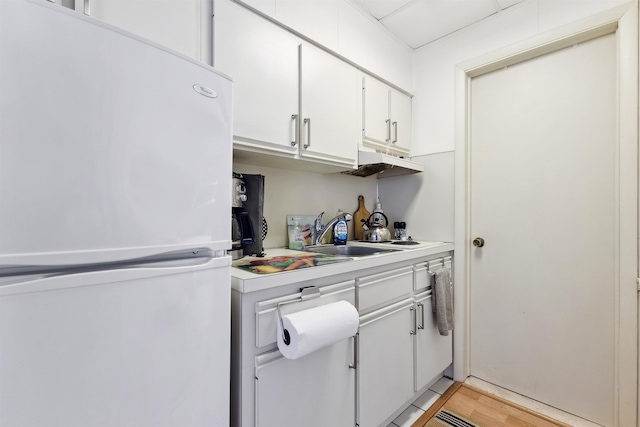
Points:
(544, 196)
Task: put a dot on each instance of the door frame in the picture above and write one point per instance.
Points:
(623, 21)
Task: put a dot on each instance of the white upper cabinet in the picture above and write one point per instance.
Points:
(178, 25)
(387, 118)
(330, 108)
(400, 113)
(316, 19)
(377, 125)
(291, 100)
(262, 59)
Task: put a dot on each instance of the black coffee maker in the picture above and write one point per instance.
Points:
(242, 230)
(248, 227)
(254, 206)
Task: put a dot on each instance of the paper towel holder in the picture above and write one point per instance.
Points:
(310, 292)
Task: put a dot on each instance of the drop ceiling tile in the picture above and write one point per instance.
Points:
(423, 21)
(507, 3)
(381, 8)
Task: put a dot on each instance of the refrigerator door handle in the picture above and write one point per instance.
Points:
(36, 281)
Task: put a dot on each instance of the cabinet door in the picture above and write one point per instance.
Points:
(317, 390)
(434, 352)
(262, 59)
(400, 123)
(316, 19)
(385, 366)
(377, 125)
(330, 108)
(175, 24)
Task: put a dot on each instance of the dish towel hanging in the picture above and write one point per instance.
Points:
(442, 300)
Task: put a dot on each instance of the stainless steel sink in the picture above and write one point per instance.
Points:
(346, 250)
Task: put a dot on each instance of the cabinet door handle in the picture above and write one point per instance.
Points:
(395, 132)
(415, 320)
(421, 307)
(307, 123)
(355, 352)
(87, 7)
(296, 129)
(388, 138)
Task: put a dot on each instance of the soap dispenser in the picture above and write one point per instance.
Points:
(296, 239)
(340, 230)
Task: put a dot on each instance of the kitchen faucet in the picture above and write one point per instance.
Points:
(322, 230)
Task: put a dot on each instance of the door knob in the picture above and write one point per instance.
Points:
(478, 242)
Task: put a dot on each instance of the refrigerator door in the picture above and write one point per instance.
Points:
(111, 147)
(136, 347)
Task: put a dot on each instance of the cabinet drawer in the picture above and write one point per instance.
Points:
(423, 272)
(421, 276)
(267, 313)
(378, 290)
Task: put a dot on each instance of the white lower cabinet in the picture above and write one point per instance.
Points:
(385, 368)
(397, 352)
(433, 352)
(317, 390)
(268, 390)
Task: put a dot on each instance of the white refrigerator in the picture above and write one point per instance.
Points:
(115, 213)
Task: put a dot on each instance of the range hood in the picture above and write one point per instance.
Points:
(385, 165)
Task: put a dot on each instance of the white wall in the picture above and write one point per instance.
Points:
(290, 192)
(425, 200)
(433, 104)
(423, 197)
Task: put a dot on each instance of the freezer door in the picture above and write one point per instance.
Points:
(140, 347)
(110, 146)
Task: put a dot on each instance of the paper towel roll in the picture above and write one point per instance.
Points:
(310, 330)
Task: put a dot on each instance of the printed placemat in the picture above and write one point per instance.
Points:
(280, 264)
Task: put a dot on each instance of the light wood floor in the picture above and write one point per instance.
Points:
(485, 410)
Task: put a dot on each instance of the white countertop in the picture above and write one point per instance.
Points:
(245, 281)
